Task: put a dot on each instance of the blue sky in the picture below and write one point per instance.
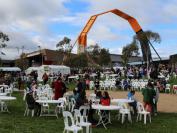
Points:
(32, 23)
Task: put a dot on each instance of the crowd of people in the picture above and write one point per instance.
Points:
(150, 92)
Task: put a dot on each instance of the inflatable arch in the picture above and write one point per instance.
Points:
(82, 39)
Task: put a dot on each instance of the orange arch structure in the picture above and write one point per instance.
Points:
(82, 39)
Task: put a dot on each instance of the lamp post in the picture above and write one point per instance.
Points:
(41, 54)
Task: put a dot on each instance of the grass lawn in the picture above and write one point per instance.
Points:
(15, 122)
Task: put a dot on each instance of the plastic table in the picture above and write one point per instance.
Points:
(102, 113)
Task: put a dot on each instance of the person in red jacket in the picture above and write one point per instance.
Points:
(58, 88)
(105, 100)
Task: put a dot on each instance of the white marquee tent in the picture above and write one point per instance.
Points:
(10, 69)
(52, 69)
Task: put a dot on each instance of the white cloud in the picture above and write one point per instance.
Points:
(28, 14)
(100, 32)
(26, 22)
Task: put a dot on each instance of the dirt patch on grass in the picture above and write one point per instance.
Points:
(166, 103)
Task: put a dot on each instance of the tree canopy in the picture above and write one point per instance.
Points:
(153, 37)
(99, 55)
(64, 45)
(132, 49)
(22, 62)
(3, 38)
(77, 61)
(128, 51)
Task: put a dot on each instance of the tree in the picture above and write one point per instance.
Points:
(104, 57)
(153, 37)
(64, 45)
(128, 51)
(3, 38)
(99, 55)
(133, 48)
(77, 61)
(144, 39)
(22, 62)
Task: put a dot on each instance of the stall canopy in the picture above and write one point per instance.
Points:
(49, 69)
(10, 69)
(55, 69)
(30, 69)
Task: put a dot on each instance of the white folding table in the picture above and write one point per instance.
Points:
(122, 101)
(3, 99)
(3, 94)
(49, 102)
(102, 114)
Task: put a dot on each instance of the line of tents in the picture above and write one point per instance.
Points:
(49, 69)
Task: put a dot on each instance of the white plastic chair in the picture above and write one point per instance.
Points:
(8, 90)
(92, 96)
(73, 102)
(45, 106)
(70, 127)
(124, 111)
(1, 90)
(3, 106)
(91, 85)
(167, 89)
(84, 111)
(24, 94)
(61, 106)
(27, 111)
(141, 112)
(67, 103)
(106, 85)
(113, 85)
(80, 121)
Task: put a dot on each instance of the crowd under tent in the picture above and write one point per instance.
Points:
(49, 69)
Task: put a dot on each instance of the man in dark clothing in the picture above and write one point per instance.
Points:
(32, 104)
(35, 76)
(45, 78)
(97, 84)
(64, 88)
(79, 86)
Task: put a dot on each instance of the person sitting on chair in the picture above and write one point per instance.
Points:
(32, 104)
(134, 103)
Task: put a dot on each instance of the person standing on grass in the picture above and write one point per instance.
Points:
(81, 99)
(87, 81)
(58, 88)
(97, 84)
(79, 85)
(45, 78)
(64, 88)
(148, 95)
(156, 98)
